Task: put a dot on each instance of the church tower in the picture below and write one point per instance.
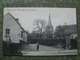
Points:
(49, 28)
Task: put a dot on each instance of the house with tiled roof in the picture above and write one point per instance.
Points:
(67, 32)
(71, 35)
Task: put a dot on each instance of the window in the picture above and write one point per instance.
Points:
(7, 32)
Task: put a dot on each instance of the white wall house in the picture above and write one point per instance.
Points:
(12, 30)
(73, 36)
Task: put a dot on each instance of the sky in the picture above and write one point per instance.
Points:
(27, 15)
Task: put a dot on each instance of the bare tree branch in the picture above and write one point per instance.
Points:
(40, 24)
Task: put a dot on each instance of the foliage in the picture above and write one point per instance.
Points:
(33, 40)
(49, 32)
(53, 42)
(39, 26)
(60, 32)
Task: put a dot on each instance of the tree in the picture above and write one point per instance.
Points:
(60, 31)
(34, 35)
(39, 26)
(28, 35)
(49, 31)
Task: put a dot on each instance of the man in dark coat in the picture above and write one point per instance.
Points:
(37, 46)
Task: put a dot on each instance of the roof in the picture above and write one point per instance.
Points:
(66, 29)
(71, 29)
(16, 21)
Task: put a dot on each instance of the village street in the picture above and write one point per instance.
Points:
(31, 49)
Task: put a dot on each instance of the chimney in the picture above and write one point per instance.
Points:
(17, 20)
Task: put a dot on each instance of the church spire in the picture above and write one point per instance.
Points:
(49, 21)
(49, 28)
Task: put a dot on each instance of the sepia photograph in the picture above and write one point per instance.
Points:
(38, 31)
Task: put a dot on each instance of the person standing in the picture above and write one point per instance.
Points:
(37, 46)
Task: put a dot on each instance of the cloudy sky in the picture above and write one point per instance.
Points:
(26, 15)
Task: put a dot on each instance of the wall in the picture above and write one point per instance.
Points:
(15, 30)
(25, 37)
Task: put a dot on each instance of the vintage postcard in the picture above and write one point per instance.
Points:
(34, 31)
